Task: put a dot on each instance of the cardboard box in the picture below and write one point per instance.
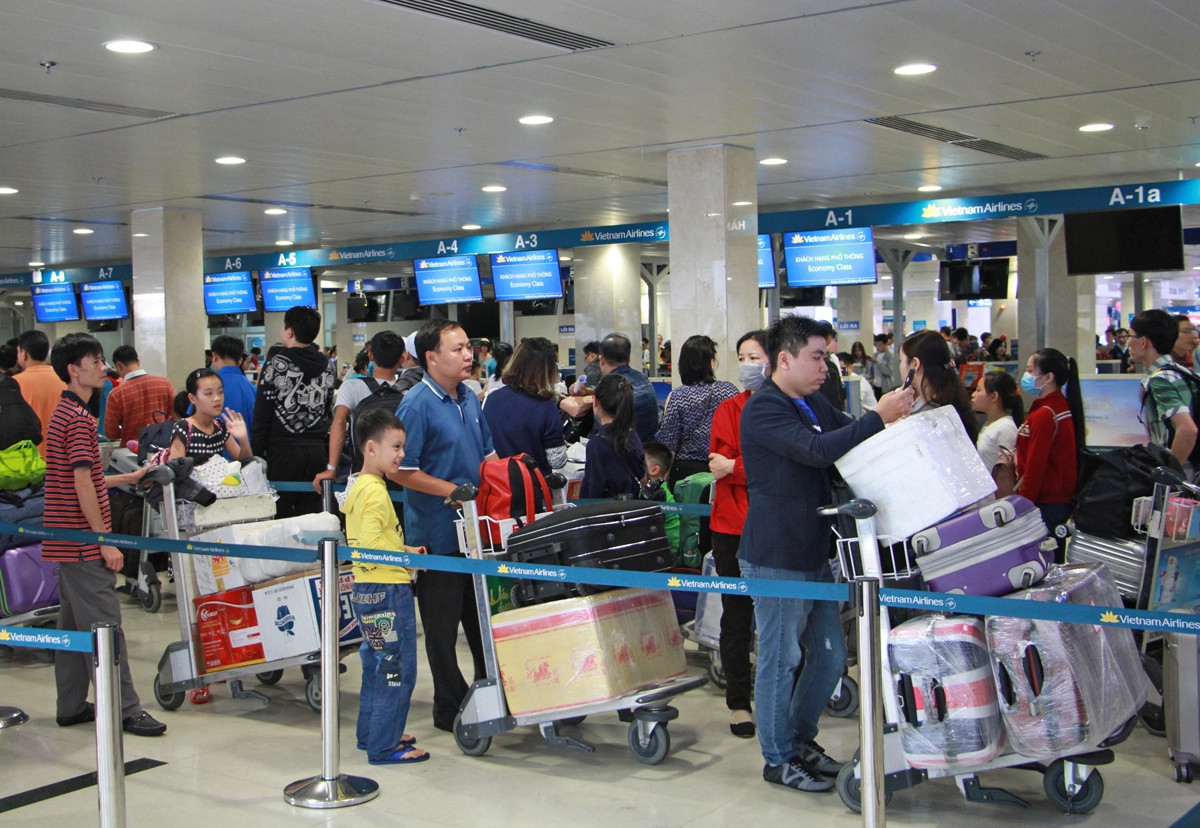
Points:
(216, 573)
(228, 630)
(587, 650)
(289, 609)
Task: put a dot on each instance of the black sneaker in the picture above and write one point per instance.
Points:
(143, 724)
(88, 714)
(818, 760)
(796, 774)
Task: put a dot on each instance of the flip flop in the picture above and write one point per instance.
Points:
(404, 743)
(399, 757)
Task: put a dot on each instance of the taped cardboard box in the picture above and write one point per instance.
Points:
(289, 613)
(228, 630)
(588, 650)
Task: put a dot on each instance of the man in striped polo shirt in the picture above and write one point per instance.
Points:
(77, 498)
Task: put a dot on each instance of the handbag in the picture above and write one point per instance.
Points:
(21, 465)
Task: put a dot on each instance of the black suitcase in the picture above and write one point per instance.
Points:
(623, 534)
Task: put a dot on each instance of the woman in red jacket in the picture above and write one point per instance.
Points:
(728, 516)
(1051, 439)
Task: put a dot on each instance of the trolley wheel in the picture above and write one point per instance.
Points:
(312, 691)
(1152, 716)
(716, 668)
(151, 598)
(520, 595)
(572, 721)
(1183, 773)
(655, 749)
(850, 789)
(270, 677)
(845, 704)
(1086, 798)
(471, 747)
(171, 701)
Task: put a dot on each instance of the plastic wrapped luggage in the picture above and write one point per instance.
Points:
(196, 518)
(947, 695)
(26, 581)
(216, 573)
(1181, 699)
(626, 534)
(707, 629)
(1124, 559)
(992, 550)
(1065, 687)
(23, 507)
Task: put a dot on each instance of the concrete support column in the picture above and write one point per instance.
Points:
(170, 327)
(608, 292)
(855, 306)
(713, 196)
(1063, 307)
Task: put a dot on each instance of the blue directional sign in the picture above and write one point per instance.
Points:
(287, 287)
(229, 293)
(526, 274)
(103, 301)
(830, 257)
(766, 262)
(54, 303)
(447, 280)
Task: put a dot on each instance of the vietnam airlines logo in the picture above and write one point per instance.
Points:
(931, 211)
(500, 259)
(1109, 617)
(100, 539)
(334, 256)
(208, 280)
(424, 264)
(355, 555)
(503, 568)
(587, 235)
(797, 239)
(5, 635)
(674, 582)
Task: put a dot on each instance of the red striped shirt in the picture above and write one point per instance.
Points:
(72, 442)
(131, 406)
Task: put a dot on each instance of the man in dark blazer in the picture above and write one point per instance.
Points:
(790, 436)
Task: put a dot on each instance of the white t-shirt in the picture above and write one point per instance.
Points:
(354, 391)
(1003, 432)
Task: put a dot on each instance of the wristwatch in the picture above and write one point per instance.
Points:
(330, 468)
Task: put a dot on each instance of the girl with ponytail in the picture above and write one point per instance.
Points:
(615, 463)
(997, 398)
(935, 377)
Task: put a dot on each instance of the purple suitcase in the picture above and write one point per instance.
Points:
(26, 581)
(992, 550)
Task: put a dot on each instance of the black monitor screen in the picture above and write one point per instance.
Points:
(1148, 239)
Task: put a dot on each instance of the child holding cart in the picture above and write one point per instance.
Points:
(382, 598)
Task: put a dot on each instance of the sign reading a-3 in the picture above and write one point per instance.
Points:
(229, 293)
(447, 280)
(766, 262)
(526, 274)
(287, 287)
(830, 257)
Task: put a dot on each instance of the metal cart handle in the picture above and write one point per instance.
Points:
(857, 509)
(1169, 477)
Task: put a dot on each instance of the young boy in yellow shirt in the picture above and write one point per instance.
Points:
(382, 598)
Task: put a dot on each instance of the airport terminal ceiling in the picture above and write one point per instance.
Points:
(368, 119)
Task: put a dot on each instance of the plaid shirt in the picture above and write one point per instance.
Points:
(132, 404)
(1165, 393)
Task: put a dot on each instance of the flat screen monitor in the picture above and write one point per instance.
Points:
(447, 279)
(226, 293)
(54, 303)
(1112, 404)
(103, 301)
(405, 306)
(766, 262)
(957, 279)
(1143, 240)
(830, 257)
(993, 279)
(809, 297)
(286, 287)
(525, 275)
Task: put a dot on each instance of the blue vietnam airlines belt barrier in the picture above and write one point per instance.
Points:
(686, 582)
(46, 639)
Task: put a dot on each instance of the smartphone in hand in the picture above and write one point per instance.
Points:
(912, 372)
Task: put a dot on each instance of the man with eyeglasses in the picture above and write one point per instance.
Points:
(1186, 343)
(1120, 350)
(1168, 387)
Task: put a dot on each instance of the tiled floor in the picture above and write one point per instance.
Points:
(228, 762)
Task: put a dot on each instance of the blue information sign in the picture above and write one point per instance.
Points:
(526, 274)
(830, 257)
(103, 300)
(54, 303)
(229, 293)
(447, 280)
(286, 287)
(766, 262)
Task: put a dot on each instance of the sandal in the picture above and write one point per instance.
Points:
(406, 741)
(403, 756)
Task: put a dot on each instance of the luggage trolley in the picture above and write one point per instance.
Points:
(178, 668)
(1071, 782)
(485, 712)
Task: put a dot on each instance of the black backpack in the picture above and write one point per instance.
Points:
(382, 396)
(1110, 482)
(154, 437)
(18, 421)
(1193, 384)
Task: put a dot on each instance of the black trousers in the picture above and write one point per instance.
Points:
(298, 462)
(446, 599)
(737, 623)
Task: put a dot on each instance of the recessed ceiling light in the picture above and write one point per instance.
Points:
(1196, 267)
(140, 235)
(37, 264)
(472, 227)
(129, 47)
(18, 303)
(773, 162)
(742, 203)
(14, 190)
(284, 243)
(929, 188)
(275, 211)
(535, 120)
(1096, 127)
(230, 160)
(442, 193)
(83, 231)
(564, 258)
(493, 188)
(915, 69)
(913, 236)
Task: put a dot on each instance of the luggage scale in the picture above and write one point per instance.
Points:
(1071, 782)
(484, 712)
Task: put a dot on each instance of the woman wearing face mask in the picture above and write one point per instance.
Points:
(934, 377)
(1051, 438)
(728, 516)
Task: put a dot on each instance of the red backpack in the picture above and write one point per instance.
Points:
(510, 488)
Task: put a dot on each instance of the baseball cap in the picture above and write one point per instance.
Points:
(410, 345)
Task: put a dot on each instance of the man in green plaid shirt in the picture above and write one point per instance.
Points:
(1167, 388)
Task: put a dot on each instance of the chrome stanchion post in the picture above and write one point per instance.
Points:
(870, 711)
(110, 755)
(331, 789)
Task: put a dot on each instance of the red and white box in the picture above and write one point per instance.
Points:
(228, 630)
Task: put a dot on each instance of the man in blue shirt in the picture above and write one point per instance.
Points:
(791, 434)
(240, 394)
(615, 350)
(447, 439)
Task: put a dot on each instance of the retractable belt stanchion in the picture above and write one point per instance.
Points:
(870, 711)
(331, 789)
(110, 754)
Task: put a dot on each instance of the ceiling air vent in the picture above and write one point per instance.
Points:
(949, 136)
(501, 22)
(80, 103)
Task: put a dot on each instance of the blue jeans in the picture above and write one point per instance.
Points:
(389, 664)
(788, 708)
